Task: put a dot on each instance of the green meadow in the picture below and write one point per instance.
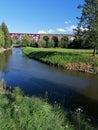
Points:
(61, 57)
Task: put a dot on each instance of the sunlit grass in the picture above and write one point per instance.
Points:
(61, 57)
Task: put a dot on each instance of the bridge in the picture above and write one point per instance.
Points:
(20, 35)
(39, 37)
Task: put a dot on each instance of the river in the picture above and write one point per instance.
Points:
(69, 88)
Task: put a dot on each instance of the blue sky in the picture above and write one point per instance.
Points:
(40, 16)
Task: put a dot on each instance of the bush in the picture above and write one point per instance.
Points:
(25, 113)
(34, 43)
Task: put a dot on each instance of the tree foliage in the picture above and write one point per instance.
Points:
(64, 42)
(34, 43)
(6, 35)
(88, 24)
(1, 38)
(55, 40)
(26, 41)
(46, 38)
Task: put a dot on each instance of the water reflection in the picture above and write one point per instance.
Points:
(3, 59)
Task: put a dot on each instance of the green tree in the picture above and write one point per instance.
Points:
(26, 41)
(77, 42)
(1, 38)
(64, 42)
(46, 38)
(33, 43)
(89, 22)
(6, 35)
(55, 40)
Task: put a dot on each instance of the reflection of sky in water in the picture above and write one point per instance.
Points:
(1, 74)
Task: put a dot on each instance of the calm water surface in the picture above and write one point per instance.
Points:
(70, 89)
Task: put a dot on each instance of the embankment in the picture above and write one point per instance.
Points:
(79, 60)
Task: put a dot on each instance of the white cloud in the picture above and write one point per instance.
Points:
(42, 32)
(50, 31)
(67, 22)
(61, 30)
(70, 28)
(67, 29)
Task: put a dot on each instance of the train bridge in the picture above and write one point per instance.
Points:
(39, 37)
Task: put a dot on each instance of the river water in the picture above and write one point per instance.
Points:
(69, 88)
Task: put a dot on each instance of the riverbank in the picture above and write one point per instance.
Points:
(19, 112)
(3, 49)
(79, 60)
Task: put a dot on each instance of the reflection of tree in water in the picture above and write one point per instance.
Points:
(3, 59)
(91, 91)
(88, 105)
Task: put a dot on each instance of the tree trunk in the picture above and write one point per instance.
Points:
(94, 52)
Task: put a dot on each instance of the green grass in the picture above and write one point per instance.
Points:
(61, 57)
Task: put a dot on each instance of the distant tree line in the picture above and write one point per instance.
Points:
(54, 42)
(5, 40)
(79, 41)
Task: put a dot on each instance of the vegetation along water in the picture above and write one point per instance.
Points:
(81, 60)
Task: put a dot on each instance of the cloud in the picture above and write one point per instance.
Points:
(46, 32)
(67, 22)
(70, 28)
(61, 30)
(42, 32)
(50, 31)
(67, 29)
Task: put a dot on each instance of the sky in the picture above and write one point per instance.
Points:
(40, 16)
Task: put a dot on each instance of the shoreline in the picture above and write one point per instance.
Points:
(80, 66)
(3, 50)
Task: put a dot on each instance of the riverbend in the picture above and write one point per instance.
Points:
(69, 88)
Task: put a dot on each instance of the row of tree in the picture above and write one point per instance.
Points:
(46, 42)
(5, 40)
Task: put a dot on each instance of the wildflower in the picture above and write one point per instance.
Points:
(66, 125)
(79, 110)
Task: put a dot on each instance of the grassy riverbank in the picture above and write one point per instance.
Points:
(19, 112)
(81, 60)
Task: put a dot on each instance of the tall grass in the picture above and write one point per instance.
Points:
(61, 57)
